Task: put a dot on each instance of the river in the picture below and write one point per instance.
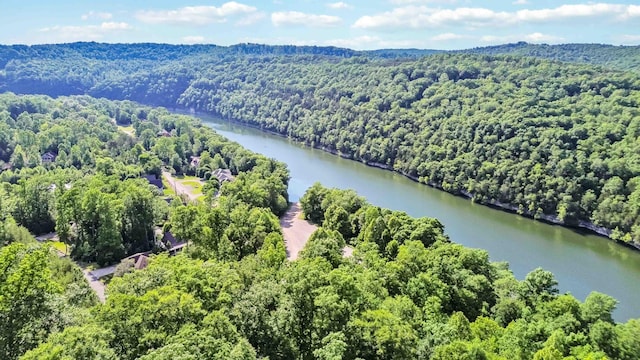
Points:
(581, 262)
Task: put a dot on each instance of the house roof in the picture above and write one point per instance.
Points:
(142, 262)
(169, 238)
(154, 180)
(223, 175)
(177, 248)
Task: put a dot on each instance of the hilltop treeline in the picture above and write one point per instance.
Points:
(614, 57)
(546, 139)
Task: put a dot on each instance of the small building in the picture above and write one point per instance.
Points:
(164, 133)
(154, 180)
(140, 260)
(223, 175)
(48, 157)
(53, 187)
(168, 241)
(195, 161)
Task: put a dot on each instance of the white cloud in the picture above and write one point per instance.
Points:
(195, 15)
(357, 42)
(109, 26)
(632, 11)
(278, 41)
(302, 19)
(520, 2)
(422, 17)
(88, 32)
(251, 19)
(339, 5)
(195, 39)
(570, 11)
(364, 42)
(426, 17)
(532, 38)
(96, 15)
(448, 37)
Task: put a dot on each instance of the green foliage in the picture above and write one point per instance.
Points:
(327, 244)
(77, 342)
(546, 139)
(407, 292)
(32, 301)
(25, 288)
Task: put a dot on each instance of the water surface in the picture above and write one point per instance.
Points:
(581, 262)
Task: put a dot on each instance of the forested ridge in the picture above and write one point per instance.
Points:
(408, 291)
(547, 139)
(614, 57)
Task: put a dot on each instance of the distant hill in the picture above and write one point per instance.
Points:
(625, 58)
(610, 56)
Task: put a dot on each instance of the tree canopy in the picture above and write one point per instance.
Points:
(547, 139)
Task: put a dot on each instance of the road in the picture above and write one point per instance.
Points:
(96, 285)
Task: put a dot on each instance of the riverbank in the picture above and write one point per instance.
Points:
(581, 227)
(550, 219)
(581, 261)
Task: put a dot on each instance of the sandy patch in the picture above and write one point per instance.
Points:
(296, 231)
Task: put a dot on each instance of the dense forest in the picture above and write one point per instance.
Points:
(610, 56)
(407, 292)
(546, 139)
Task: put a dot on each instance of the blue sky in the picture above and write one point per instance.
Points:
(439, 24)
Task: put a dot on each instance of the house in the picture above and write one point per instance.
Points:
(140, 260)
(48, 157)
(195, 161)
(164, 133)
(154, 180)
(168, 241)
(223, 175)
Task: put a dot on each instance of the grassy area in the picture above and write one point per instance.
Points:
(59, 245)
(129, 130)
(192, 183)
(184, 178)
(196, 186)
(167, 189)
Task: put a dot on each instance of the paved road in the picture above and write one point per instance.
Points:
(96, 285)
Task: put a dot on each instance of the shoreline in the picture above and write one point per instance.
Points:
(582, 226)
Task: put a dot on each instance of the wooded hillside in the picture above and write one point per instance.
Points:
(547, 139)
(407, 292)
